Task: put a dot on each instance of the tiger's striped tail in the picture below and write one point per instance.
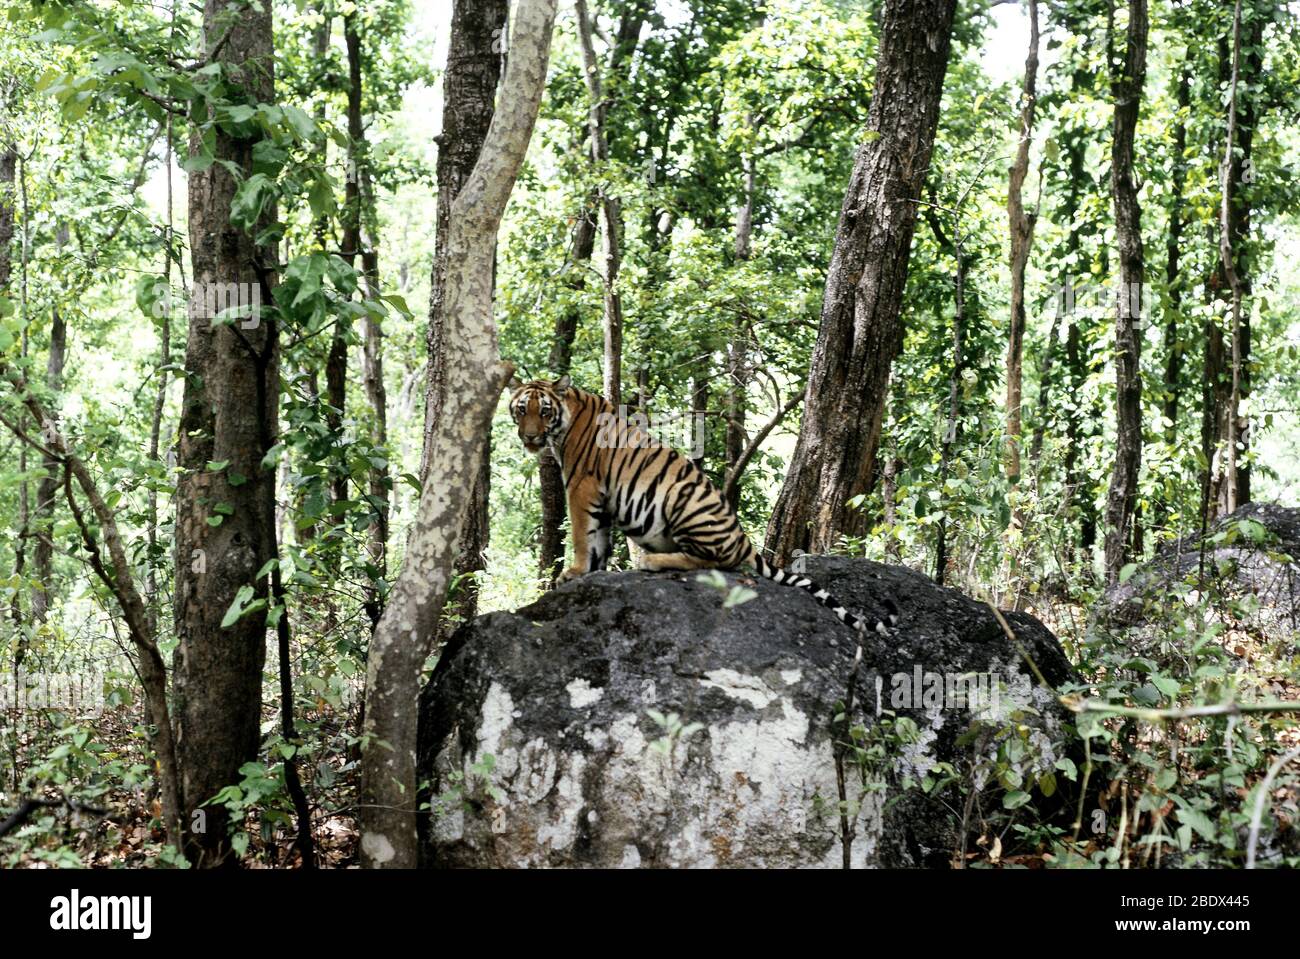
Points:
(852, 620)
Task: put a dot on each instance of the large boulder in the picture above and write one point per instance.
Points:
(1247, 568)
(634, 719)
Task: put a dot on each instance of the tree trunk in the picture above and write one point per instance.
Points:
(228, 408)
(8, 172)
(336, 363)
(1076, 363)
(1234, 226)
(1073, 147)
(474, 56)
(160, 389)
(1121, 499)
(611, 213)
(701, 376)
(738, 372)
(8, 169)
(1021, 225)
(358, 213)
(554, 507)
(1173, 248)
(380, 483)
(474, 377)
(953, 246)
(860, 324)
(47, 489)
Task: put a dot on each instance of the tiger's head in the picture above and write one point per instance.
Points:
(540, 411)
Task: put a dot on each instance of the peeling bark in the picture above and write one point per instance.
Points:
(474, 375)
(474, 58)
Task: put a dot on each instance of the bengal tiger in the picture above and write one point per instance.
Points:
(614, 474)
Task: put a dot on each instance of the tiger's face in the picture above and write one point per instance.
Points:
(539, 411)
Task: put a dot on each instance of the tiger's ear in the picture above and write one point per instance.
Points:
(562, 384)
(515, 382)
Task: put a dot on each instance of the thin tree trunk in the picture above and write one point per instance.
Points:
(336, 363)
(554, 506)
(611, 213)
(160, 390)
(738, 372)
(1173, 343)
(47, 489)
(1121, 499)
(860, 325)
(1074, 147)
(889, 493)
(8, 178)
(474, 379)
(469, 86)
(700, 379)
(952, 423)
(359, 214)
(380, 482)
(229, 405)
(1021, 223)
(1234, 224)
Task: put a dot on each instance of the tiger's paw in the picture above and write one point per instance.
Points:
(571, 573)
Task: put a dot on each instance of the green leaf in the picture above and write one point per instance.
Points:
(398, 302)
(241, 606)
(251, 199)
(299, 121)
(320, 195)
(1198, 821)
(1015, 799)
(1167, 685)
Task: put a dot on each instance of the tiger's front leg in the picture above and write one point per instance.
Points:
(591, 528)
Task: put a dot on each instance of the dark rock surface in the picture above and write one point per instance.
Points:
(1255, 552)
(560, 695)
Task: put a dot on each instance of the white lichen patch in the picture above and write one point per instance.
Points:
(582, 694)
(750, 689)
(559, 829)
(377, 847)
(497, 718)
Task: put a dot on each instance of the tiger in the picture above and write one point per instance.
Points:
(615, 474)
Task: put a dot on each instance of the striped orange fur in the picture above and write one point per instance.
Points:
(616, 475)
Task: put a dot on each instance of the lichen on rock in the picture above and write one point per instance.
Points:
(631, 721)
